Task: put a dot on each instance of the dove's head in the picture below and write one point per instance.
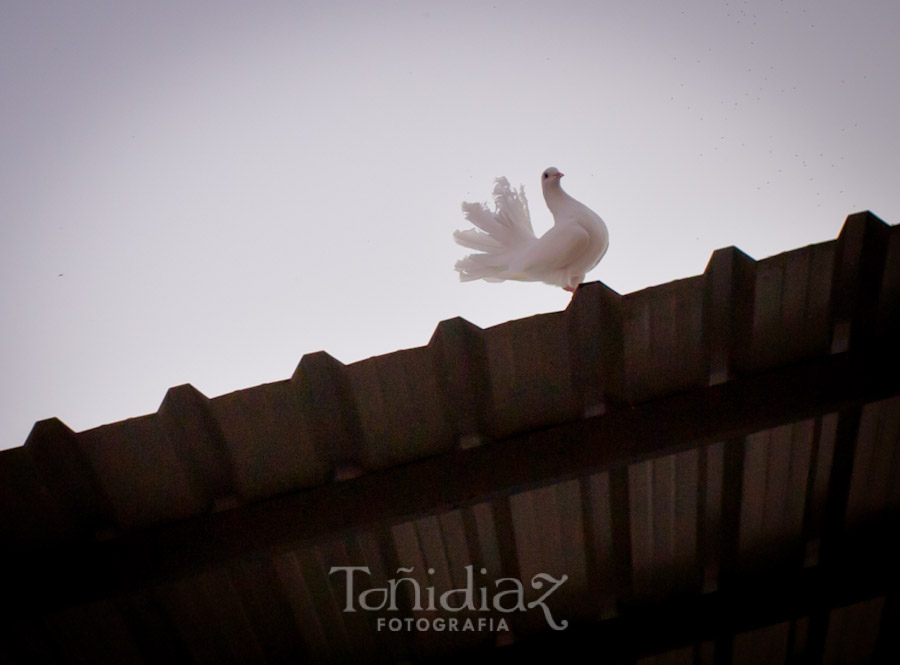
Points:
(550, 177)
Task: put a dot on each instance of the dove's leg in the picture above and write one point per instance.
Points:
(574, 283)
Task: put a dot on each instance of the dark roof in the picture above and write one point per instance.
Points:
(710, 462)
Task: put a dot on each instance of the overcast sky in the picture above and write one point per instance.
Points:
(202, 192)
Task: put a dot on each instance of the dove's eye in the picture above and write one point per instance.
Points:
(546, 175)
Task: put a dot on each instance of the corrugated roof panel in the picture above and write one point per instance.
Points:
(596, 346)
(685, 564)
(711, 471)
(791, 306)
(765, 645)
(308, 622)
(413, 581)
(799, 646)
(75, 633)
(488, 543)
(66, 480)
(802, 442)
(663, 502)
(329, 412)
(571, 526)
(729, 284)
(359, 626)
(601, 545)
(431, 544)
(859, 274)
(870, 457)
(530, 374)
(210, 619)
(264, 602)
(459, 556)
(888, 316)
(549, 532)
(308, 591)
(442, 539)
(542, 534)
(457, 350)
(186, 420)
(400, 408)
(637, 531)
(370, 553)
(776, 528)
(683, 656)
(28, 515)
(853, 632)
(456, 547)
(752, 524)
(706, 653)
(824, 452)
(140, 473)
(640, 501)
(536, 550)
(662, 519)
(151, 627)
(268, 441)
(876, 466)
(665, 350)
(776, 473)
(28, 641)
(768, 306)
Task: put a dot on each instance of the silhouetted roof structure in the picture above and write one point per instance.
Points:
(711, 463)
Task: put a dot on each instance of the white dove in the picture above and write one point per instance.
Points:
(508, 248)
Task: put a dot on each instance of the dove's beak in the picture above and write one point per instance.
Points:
(560, 175)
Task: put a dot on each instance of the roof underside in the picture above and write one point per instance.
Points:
(710, 463)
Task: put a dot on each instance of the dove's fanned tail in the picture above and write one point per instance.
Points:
(499, 233)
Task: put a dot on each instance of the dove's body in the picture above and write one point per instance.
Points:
(510, 250)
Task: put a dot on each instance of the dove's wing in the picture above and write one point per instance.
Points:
(555, 250)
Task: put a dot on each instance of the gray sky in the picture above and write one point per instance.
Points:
(202, 192)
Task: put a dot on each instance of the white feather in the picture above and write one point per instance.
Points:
(509, 250)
